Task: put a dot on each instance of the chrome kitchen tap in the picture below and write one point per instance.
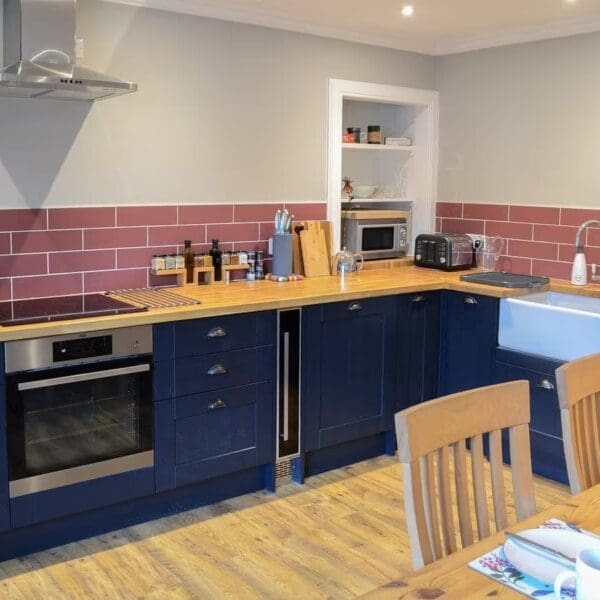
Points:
(579, 271)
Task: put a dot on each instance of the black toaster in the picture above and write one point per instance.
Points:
(446, 251)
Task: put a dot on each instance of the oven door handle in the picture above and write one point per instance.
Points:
(44, 383)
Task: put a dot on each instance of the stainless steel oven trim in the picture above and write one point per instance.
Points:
(278, 433)
(92, 375)
(105, 468)
(26, 355)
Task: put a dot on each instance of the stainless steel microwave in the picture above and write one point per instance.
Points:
(376, 233)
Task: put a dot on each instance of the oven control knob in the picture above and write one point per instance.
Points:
(443, 259)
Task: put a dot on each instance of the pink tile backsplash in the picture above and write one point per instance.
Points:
(87, 249)
(120, 237)
(46, 241)
(23, 264)
(47, 285)
(77, 218)
(146, 215)
(495, 212)
(23, 219)
(540, 240)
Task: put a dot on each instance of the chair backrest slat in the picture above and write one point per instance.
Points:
(431, 509)
(496, 463)
(461, 483)
(479, 492)
(521, 471)
(433, 435)
(445, 495)
(578, 383)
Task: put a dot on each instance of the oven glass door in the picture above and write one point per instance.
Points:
(375, 238)
(64, 418)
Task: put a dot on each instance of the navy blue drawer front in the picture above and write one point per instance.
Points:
(545, 411)
(548, 457)
(218, 433)
(343, 310)
(198, 374)
(220, 334)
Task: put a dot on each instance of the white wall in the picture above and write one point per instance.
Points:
(521, 124)
(225, 112)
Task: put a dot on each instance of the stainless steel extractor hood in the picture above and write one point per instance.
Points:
(39, 51)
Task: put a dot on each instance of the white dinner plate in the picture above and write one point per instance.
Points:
(540, 565)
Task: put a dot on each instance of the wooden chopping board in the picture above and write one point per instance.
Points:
(326, 227)
(314, 250)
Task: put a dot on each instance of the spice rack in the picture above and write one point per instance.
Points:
(226, 270)
(205, 275)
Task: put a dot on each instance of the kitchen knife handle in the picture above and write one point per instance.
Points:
(217, 369)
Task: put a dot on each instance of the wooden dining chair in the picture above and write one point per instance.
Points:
(578, 383)
(429, 433)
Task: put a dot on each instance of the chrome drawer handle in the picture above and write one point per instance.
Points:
(355, 306)
(217, 404)
(418, 299)
(545, 384)
(470, 300)
(216, 332)
(217, 370)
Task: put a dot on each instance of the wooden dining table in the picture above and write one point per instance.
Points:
(451, 577)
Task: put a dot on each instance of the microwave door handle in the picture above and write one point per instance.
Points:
(54, 381)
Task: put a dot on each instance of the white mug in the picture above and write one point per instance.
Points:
(586, 578)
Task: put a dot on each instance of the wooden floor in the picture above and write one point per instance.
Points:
(339, 536)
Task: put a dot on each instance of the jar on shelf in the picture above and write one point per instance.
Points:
(170, 262)
(243, 257)
(226, 258)
(179, 261)
(158, 262)
(374, 134)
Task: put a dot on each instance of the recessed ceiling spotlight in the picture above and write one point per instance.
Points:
(408, 10)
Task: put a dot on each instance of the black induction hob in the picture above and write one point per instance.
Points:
(62, 308)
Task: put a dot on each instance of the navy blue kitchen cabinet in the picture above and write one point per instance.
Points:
(349, 360)
(4, 501)
(418, 348)
(547, 451)
(214, 386)
(469, 335)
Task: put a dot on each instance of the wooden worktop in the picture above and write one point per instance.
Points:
(251, 296)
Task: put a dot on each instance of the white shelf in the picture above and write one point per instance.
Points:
(378, 147)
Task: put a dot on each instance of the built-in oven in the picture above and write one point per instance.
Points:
(376, 233)
(79, 407)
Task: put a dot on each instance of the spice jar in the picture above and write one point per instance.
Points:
(356, 132)
(170, 262)
(235, 258)
(158, 262)
(374, 134)
(179, 261)
(243, 257)
(226, 258)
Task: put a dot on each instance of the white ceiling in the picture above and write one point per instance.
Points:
(437, 26)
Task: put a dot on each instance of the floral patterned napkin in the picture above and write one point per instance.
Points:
(495, 565)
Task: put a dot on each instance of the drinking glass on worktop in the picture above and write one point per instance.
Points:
(488, 252)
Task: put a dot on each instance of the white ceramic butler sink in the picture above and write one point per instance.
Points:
(561, 326)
